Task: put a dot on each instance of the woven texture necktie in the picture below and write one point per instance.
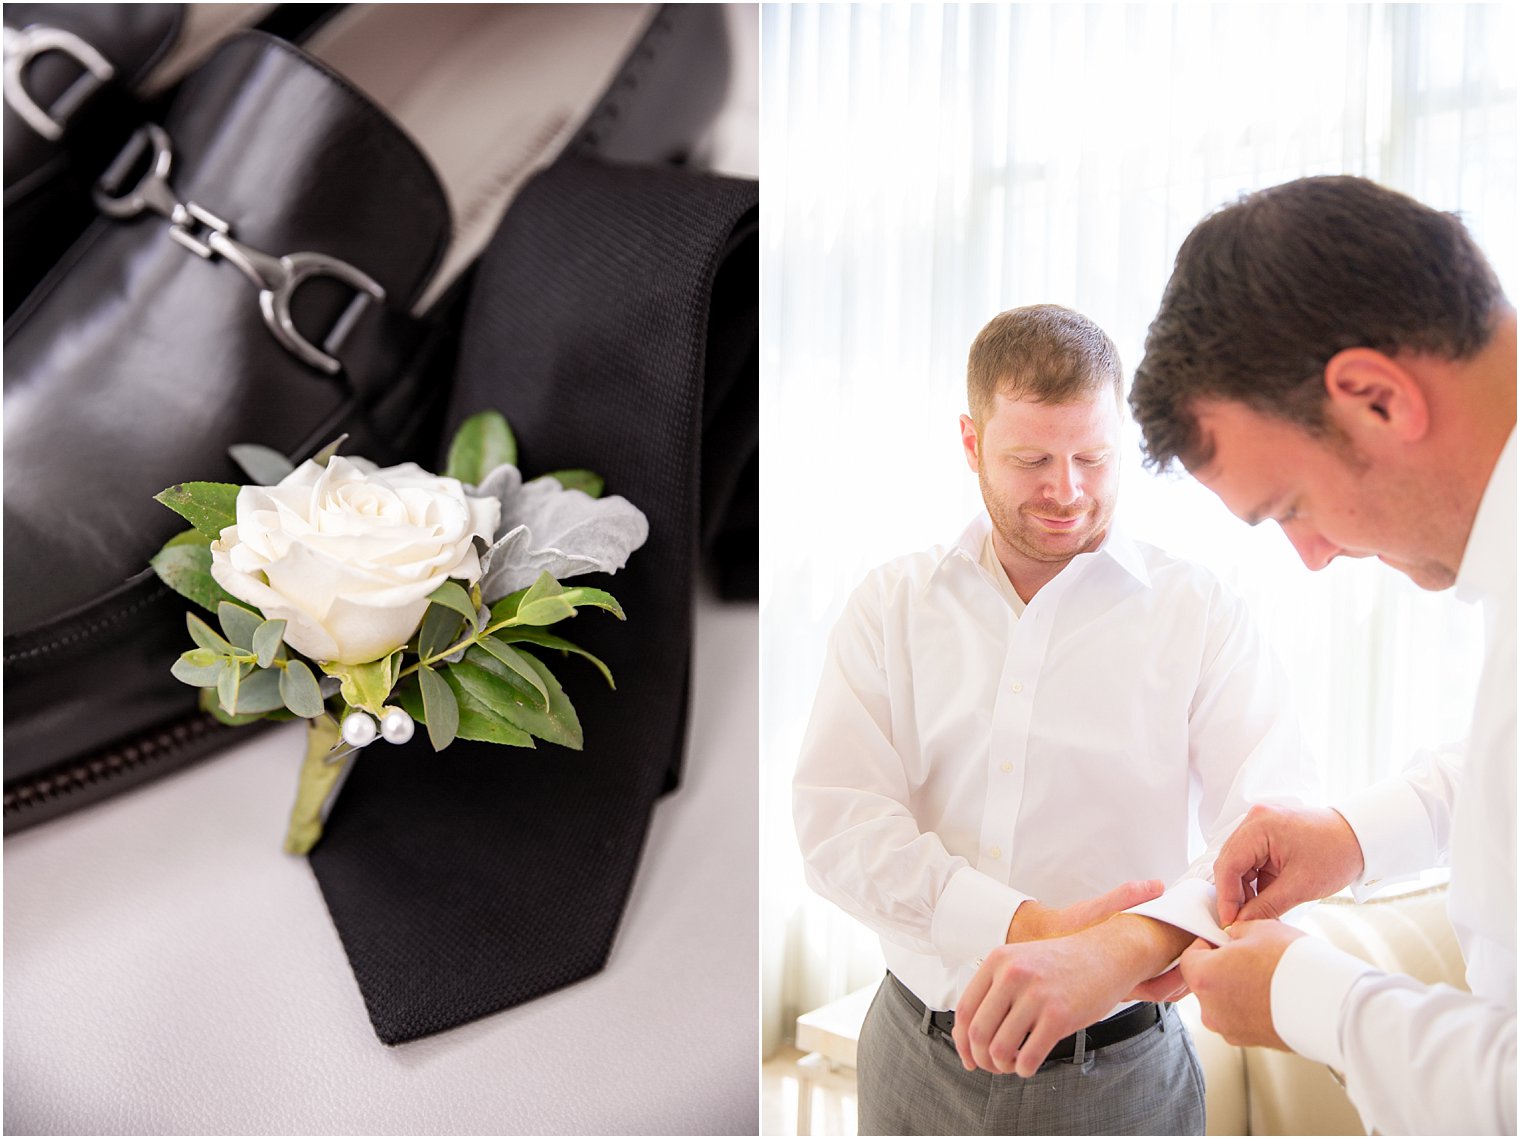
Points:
(613, 321)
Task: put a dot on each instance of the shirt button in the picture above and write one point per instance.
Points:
(1017, 687)
(1007, 767)
(996, 852)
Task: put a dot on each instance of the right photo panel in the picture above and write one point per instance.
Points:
(1137, 592)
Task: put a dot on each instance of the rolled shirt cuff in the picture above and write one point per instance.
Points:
(972, 916)
(1189, 905)
(1309, 990)
(1393, 830)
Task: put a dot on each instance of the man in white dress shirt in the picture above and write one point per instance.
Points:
(1339, 358)
(1014, 738)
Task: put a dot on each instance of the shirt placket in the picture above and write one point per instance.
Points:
(1012, 715)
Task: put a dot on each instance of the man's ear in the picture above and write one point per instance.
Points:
(1371, 394)
(969, 443)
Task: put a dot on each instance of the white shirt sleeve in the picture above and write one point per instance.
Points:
(1244, 747)
(1418, 1059)
(1404, 823)
(861, 846)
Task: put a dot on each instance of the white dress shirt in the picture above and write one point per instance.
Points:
(1428, 1059)
(963, 757)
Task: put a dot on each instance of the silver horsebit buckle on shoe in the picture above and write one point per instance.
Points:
(22, 46)
(206, 235)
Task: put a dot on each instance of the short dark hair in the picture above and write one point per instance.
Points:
(1043, 353)
(1267, 290)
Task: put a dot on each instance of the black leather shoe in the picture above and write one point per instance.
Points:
(150, 348)
(78, 79)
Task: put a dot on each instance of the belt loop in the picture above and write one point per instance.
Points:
(1081, 1048)
(1161, 1014)
(926, 1026)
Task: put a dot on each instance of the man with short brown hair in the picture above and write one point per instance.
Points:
(1017, 736)
(1339, 358)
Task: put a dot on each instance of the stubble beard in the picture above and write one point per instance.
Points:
(1432, 569)
(1023, 535)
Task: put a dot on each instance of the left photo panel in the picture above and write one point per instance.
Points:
(381, 534)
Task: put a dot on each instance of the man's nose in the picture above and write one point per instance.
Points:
(1065, 485)
(1316, 551)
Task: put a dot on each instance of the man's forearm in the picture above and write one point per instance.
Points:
(1141, 947)
(1033, 921)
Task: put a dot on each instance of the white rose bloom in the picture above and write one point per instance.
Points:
(347, 554)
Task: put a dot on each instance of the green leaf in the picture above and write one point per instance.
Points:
(441, 627)
(502, 690)
(259, 692)
(597, 598)
(327, 452)
(266, 639)
(299, 690)
(186, 569)
(518, 663)
(544, 603)
(191, 537)
(454, 596)
(208, 506)
(207, 637)
(588, 481)
(548, 641)
(228, 680)
(263, 465)
(238, 624)
(476, 721)
(482, 443)
(210, 703)
(199, 668)
(441, 707)
(506, 608)
(368, 685)
(547, 602)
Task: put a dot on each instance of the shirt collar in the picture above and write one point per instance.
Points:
(1117, 546)
(1488, 563)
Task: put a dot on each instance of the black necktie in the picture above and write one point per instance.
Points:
(613, 321)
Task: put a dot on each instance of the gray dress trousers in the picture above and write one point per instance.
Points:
(912, 1083)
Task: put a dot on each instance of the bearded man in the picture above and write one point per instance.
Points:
(1018, 736)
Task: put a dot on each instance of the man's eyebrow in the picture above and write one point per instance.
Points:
(1259, 515)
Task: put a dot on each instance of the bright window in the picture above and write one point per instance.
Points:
(927, 167)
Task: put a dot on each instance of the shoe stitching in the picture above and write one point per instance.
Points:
(88, 630)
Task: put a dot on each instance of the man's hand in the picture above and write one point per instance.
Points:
(1168, 986)
(1035, 922)
(1234, 982)
(1280, 857)
(1044, 990)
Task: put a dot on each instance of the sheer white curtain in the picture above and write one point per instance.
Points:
(927, 167)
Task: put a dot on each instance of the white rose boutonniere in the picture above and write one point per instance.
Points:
(347, 554)
(367, 599)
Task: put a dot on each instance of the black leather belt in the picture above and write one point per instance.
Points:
(1121, 1026)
